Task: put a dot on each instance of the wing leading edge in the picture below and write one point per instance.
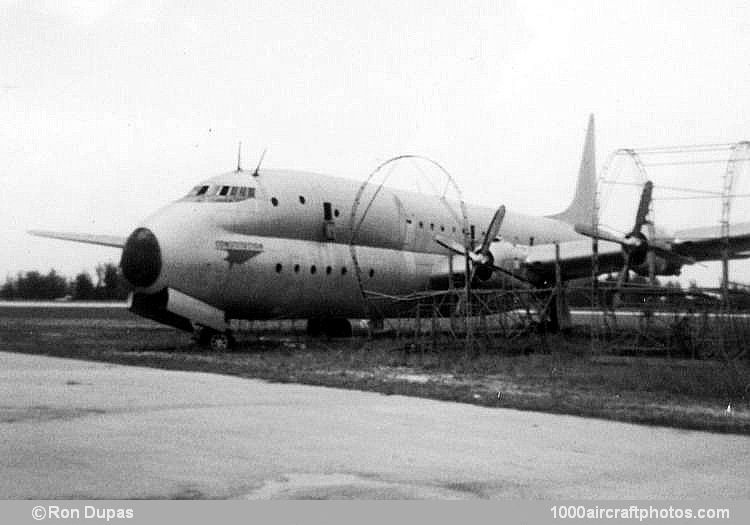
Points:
(535, 265)
(113, 241)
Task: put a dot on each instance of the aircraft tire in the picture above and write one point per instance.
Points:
(215, 340)
(220, 342)
(329, 326)
(337, 327)
(314, 327)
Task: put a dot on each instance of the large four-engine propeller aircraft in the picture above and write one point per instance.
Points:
(269, 244)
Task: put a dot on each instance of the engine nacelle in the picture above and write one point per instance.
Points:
(661, 267)
(508, 255)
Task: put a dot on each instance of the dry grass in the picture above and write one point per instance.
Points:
(565, 379)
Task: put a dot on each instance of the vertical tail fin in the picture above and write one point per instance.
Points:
(581, 209)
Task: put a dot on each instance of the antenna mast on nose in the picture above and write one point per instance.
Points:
(239, 156)
(257, 168)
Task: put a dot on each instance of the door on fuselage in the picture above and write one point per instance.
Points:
(405, 227)
(329, 224)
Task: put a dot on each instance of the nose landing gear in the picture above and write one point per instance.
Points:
(213, 339)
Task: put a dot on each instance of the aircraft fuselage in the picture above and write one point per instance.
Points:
(285, 251)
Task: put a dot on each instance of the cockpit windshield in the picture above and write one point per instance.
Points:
(220, 193)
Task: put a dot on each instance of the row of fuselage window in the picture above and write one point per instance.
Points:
(442, 228)
(238, 193)
(314, 269)
(234, 193)
(221, 193)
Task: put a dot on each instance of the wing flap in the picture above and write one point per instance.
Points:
(102, 240)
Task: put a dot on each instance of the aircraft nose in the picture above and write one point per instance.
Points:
(141, 258)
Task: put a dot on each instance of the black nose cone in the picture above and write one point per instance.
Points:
(141, 258)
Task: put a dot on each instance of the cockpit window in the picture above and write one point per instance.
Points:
(214, 193)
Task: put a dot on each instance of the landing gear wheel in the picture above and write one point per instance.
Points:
(215, 340)
(337, 327)
(314, 327)
(220, 342)
(329, 326)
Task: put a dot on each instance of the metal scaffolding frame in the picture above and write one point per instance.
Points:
(435, 321)
(697, 323)
(706, 328)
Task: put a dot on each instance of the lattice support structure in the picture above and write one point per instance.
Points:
(671, 321)
(360, 211)
(496, 319)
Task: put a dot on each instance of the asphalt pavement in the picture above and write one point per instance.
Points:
(77, 429)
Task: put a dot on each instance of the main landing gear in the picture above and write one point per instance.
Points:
(213, 339)
(558, 312)
(331, 327)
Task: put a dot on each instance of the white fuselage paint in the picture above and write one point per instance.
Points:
(395, 242)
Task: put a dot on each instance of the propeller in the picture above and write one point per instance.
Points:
(636, 240)
(492, 231)
(633, 243)
(643, 207)
(483, 263)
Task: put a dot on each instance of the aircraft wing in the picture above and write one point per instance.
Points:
(534, 265)
(575, 259)
(705, 244)
(697, 244)
(102, 240)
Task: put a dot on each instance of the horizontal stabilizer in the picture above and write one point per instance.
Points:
(102, 240)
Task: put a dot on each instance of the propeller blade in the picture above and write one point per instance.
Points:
(603, 233)
(450, 244)
(493, 229)
(622, 278)
(624, 273)
(643, 207)
(457, 248)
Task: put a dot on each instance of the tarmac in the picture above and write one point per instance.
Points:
(83, 430)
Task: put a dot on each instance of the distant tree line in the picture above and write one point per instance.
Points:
(110, 285)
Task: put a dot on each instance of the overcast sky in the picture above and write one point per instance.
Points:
(109, 109)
